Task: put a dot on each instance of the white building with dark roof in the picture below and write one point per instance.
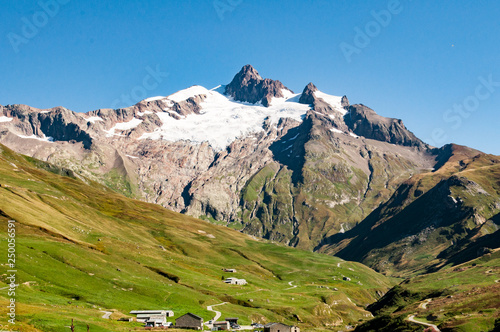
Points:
(153, 317)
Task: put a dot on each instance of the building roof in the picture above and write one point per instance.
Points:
(192, 315)
(232, 318)
(150, 312)
(234, 279)
(271, 324)
(221, 323)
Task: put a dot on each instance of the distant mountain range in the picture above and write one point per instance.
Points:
(305, 169)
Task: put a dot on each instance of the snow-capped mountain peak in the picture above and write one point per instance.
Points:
(221, 119)
(185, 94)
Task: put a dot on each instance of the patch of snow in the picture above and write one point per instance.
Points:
(93, 119)
(354, 135)
(291, 139)
(133, 157)
(154, 98)
(43, 112)
(5, 119)
(287, 93)
(335, 130)
(168, 102)
(43, 139)
(122, 126)
(223, 120)
(145, 112)
(188, 93)
(342, 230)
(333, 101)
(128, 125)
(220, 89)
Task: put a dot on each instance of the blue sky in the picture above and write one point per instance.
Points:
(433, 64)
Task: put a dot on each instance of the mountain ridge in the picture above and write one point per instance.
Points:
(297, 168)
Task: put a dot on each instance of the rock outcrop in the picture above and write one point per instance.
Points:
(249, 86)
(345, 102)
(307, 96)
(363, 121)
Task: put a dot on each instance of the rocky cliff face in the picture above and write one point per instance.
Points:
(249, 86)
(307, 96)
(57, 123)
(294, 168)
(363, 121)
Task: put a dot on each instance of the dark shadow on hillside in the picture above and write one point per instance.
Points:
(468, 249)
(289, 150)
(431, 210)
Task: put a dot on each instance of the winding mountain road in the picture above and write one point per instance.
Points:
(423, 305)
(217, 313)
(411, 318)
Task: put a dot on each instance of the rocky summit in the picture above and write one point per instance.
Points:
(249, 86)
(308, 170)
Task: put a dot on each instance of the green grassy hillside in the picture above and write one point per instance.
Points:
(82, 248)
(434, 219)
(464, 298)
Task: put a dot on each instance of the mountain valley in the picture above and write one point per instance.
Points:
(288, 188)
